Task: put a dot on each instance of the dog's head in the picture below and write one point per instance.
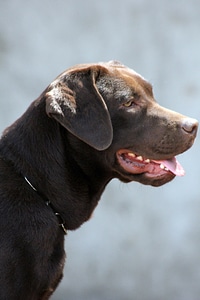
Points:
(112, 109)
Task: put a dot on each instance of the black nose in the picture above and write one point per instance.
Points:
(190, 126)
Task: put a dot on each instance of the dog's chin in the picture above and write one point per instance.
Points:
(146, 178)
(131, 167)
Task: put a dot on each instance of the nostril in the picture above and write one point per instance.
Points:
(190, 125)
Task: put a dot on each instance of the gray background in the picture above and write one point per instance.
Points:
(143, 243)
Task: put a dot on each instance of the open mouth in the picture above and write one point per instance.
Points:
(137, 164)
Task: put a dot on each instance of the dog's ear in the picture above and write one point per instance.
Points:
(74, 101)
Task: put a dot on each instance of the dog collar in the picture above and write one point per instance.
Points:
(61, 222)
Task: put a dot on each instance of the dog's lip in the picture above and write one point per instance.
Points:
(137, 164)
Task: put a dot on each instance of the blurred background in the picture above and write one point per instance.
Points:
(143, 243)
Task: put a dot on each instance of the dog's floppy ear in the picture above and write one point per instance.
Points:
(74, 101)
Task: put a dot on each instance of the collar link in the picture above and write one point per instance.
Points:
(61, 222)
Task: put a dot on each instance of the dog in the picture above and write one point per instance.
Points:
(93, 123)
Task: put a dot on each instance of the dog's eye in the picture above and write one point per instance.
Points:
(129, 103)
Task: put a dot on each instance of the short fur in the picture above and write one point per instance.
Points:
(64, 150)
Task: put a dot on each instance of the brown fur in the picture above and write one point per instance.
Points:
(67, 146)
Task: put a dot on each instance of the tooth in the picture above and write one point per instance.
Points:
(162, 166)
(147, 160)
(166, 169)
(139, 158)
(131, 154)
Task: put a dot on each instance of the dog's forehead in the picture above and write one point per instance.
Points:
(114, 69)
(131, 78)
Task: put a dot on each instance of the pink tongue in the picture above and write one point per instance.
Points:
(173, 165)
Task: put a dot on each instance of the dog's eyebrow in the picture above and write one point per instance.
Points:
(147, 86)
(138, 82)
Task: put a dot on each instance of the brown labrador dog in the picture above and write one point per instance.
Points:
(93, 123)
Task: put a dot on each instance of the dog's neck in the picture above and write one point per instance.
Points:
(55, 169)
(61, 222)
